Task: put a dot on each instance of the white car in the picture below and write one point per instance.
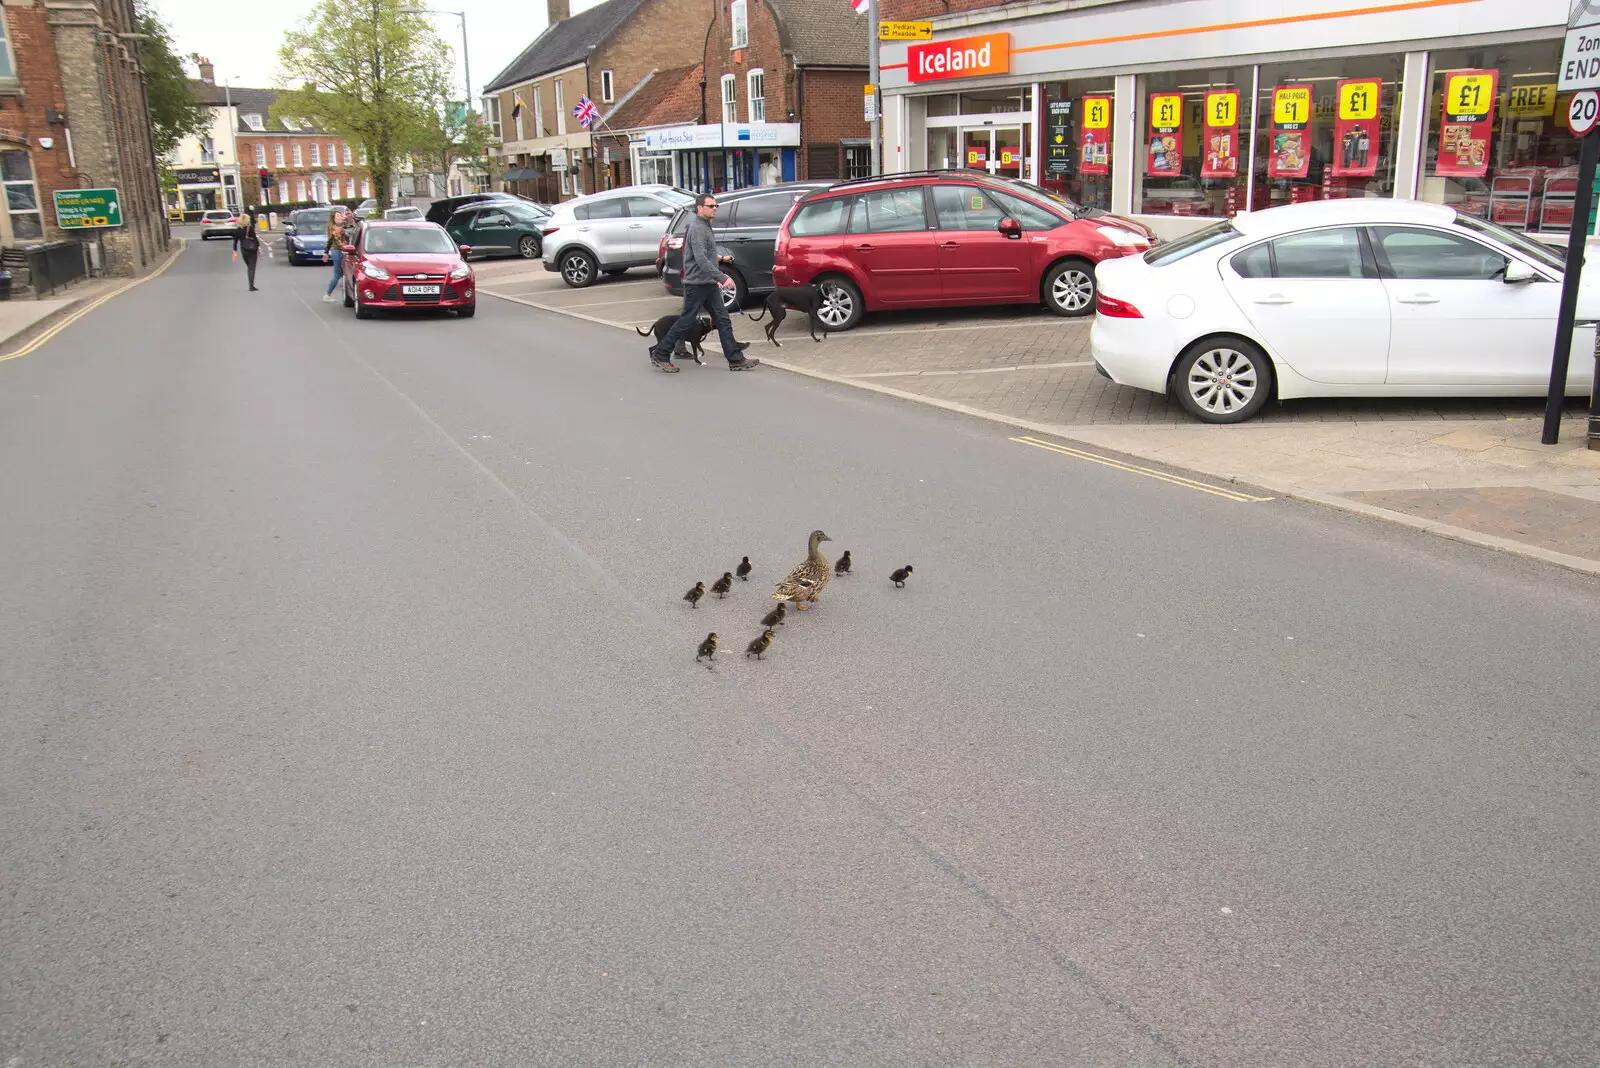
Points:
(219, 222)
(1339, 298)
(403, 212)
(609, 231)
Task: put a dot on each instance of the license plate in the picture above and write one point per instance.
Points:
(420, 290)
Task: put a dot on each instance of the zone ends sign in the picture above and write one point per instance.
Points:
(960, 57)
(1580, 50)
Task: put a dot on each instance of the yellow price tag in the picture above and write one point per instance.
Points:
(1096, 112)
(1291, 104)
(1222, 109)
(1359, 100)
(1469, 94)
(1166, 110)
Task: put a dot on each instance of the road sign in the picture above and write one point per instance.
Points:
(81, 209)
(1580, 51)
(905, 31)
(1583, 110)
(869, 103)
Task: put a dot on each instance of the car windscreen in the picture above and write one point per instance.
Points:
(311, 220)
(674, 196)
(1190, 243)
(1537, 251)
(412, 239)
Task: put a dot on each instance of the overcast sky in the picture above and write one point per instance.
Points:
(496, 31)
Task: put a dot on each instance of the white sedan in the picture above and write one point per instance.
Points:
(1339, 298)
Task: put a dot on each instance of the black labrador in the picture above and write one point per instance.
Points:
(697, 334)
(802, 298)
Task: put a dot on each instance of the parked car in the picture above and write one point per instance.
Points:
(947, 238)
(440, 211)
(218, 223)
(367, 209)
(407, 265)
(305, 235)
(500, 228)
(1338, 298)
(403, 212)
(747, 229)
(610, 231)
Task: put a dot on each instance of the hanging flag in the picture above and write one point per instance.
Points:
(516, 105)
(860, 6)
(585, 111)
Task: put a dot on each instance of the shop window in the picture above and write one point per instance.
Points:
(1194, 129)
(1345, 147)
(1076, 120)
(941, 105)
(1517, 165)
(1004, 101)
(22, 196)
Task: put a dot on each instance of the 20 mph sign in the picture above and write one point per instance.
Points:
(1583, 111)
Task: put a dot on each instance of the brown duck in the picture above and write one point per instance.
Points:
(802, 585)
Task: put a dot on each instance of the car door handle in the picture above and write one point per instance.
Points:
(636, 226)
(1274, 298)
(864, 248)
(1418, 298)
(951, 244)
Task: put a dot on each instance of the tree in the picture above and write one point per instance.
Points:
(453, 132)
(366, 71)
(175, 113)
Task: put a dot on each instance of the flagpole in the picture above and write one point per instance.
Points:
(877, 94)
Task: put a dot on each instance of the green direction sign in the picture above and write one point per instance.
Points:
(80, 209)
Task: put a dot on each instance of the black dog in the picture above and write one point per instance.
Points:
(802, 298)
(697, 333)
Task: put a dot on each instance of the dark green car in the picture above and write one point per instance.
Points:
(499, 228)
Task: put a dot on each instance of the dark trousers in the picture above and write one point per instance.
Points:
(249, 256)
(696, 297)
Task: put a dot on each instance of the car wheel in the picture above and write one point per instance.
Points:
(733, 299)
(1222, 380)
(528, 247)
(1069, 288)
(362, 311)
(349, 302)
(841, 307)
(578, 269)
(469, 311)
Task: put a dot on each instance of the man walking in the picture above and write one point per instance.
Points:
(701, 280)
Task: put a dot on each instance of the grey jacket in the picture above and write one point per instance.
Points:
(700, 254)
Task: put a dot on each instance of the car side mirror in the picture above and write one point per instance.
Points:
(1517, 273)
(1010, 228)
(348, 250)
(466, 250)
(666, 211)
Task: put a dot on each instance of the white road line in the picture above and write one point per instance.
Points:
(631, 300)
(972, 370)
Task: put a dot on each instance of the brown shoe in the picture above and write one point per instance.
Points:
(745, 364)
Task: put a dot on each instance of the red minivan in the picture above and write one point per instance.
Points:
(944, 238)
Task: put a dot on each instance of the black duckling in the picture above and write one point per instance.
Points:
(843, 566)
(900, 576)
(695, 593)
(723, 585)
(760, 645)
(744, 569)
(774, 618)
(708, 648)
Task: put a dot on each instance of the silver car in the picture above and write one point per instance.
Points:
(609, 231)
(219, 222)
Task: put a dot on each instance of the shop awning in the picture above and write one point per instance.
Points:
(522, 174)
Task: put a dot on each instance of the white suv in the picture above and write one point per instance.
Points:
(218, 223)
(609, 231)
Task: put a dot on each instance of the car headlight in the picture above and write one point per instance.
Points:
(1122, 238)
(372, 270)
(460, 272)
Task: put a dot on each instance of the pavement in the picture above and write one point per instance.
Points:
(1440, 465)
(349, 716)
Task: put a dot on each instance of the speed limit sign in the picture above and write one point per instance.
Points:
(1583, 111)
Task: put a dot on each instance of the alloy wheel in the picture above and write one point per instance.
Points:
(1222, 380)
(528, 247)
(1073, 290)
(837, 305)
(576, 269)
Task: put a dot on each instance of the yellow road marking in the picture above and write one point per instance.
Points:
(183, 243)
(1162, 476)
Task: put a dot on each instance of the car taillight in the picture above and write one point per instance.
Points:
(1114, 308)
(675, 243)
(548, 230)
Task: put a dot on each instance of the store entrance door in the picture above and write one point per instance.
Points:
(1001, 150)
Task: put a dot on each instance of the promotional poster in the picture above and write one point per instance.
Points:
(1220, 150)
(1094, 148)
(1468, 124)
(1289, 151)
(1165, 155)
(1355, 129)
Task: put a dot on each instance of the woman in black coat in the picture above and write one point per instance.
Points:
(247, 240)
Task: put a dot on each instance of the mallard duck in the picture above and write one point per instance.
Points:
(775, 617)
(900, 575)
(744, 569)
(843, 566)
(808, 577)
(708, 648)
(759, 646)
(697, 591)
(723, 585)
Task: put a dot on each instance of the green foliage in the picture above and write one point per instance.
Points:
(370, 73)
(174, 111)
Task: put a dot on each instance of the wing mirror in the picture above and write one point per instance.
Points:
(348, 250)
(1010, 228)
(466, 250)
(1518, 273)
(666, 211)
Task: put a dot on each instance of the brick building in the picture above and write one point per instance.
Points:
(73, 115)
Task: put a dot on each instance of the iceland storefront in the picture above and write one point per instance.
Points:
(715, 157)
(1205, 108)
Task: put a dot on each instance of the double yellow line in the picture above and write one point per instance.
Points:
(92, 305)
(1148, 472)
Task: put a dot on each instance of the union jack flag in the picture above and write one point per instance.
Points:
(585, 111)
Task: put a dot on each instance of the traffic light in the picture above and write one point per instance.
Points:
(265, 176)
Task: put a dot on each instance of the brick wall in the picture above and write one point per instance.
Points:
(834, 108)
(765, 53)
(23, 108)
(889, 10)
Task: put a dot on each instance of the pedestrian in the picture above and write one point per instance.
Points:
(247, 240)
(333, 251)
(701, 280)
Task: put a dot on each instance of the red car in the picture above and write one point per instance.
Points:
(942, 238)
(407, 264)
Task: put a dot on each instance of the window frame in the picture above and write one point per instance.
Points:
(560, 91)
(261, 154)
(297, 154)
(738, 25)
(277, 154)
(255, 122)
(755, 93)
(537, 92)
(37, 211)
(1386, 269)
(608, 87)
(1369, 262)
(730, 98)
(316, 153)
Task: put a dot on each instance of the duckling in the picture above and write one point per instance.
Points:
(708, 648)
(900, 576)
(843, 566)
(760, 645)
(774, 618)
(806, 580)
(697, 591)
(744, 569)
(723, 585)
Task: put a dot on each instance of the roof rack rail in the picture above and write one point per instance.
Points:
(932, 173)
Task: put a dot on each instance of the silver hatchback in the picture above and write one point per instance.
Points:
(610, 231)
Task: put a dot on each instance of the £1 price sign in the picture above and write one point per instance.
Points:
(1094, 142)
(1219, 155)
(1355, 128)
(1468, 126)
(1165, 156)
(1289, 152)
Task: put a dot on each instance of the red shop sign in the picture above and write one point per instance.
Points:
(1289, 153)
(1219, 156)
(1094, 142)
(1355, 128)
(1468, 123)
(1165, 155)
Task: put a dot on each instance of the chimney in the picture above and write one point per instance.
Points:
(208, 73)
(560, 10)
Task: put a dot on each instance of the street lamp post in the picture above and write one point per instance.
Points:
(233, 145)
(466, 65)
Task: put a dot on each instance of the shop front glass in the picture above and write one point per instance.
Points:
(1201, 167)
(1075, 117)
(987, 130)
(1511, 157)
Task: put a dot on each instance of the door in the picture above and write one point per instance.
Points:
(1008, 153)
(1456, 322)
(603, 226)
(754, 234)
(492, 231)
(976, 262)
(889, 241)
(977, 148)
(646, 225)
(1315, 299)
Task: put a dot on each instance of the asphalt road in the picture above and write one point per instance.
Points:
(350, 717)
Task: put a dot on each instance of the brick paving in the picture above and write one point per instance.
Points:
(1556, 521)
